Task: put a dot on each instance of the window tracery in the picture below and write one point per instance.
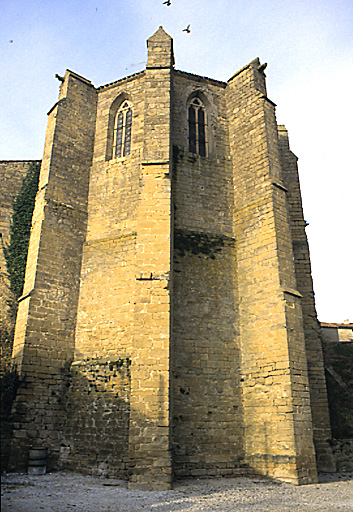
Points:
(197, 127)
(122, 131)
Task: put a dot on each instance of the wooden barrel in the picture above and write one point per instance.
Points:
(37, 461)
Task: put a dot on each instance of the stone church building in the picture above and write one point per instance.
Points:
(167, 325)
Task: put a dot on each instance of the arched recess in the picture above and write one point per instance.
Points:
(116, 106)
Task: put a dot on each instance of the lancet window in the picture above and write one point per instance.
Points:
(122, 131)
(197, 127)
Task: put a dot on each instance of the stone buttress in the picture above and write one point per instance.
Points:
(46, 320)
(313, 344)
(278, 438)
(150, 434)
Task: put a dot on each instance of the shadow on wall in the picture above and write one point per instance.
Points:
(339, 379)
(207, 408)
(338, 356)
(8, 389)
(96, 431)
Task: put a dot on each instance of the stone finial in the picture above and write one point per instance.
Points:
(160, 50)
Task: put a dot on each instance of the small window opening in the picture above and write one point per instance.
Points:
(197, 127)
(122, 131)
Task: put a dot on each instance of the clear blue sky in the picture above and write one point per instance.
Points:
(307, 44)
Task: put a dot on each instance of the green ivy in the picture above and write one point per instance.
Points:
(16, 250)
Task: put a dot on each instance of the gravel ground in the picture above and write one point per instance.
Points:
(66, 492)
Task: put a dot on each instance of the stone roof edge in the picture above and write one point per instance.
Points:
(124, 79)
(218, 82)
(179, 71)
(243, 69)
(80, 77)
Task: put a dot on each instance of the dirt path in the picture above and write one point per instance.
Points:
(66, 492)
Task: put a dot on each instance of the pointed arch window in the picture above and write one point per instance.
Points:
(197, 127)
(122, 131)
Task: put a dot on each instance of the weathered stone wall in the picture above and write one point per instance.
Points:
(207, 418)
(12, 174)
(46, 319)
(107, 285)
(96, 426)
(125, 290)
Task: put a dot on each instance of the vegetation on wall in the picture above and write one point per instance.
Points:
(7, 322)
(199, 244)
(16, 250)
(11, 286)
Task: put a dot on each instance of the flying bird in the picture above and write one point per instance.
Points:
(137, 64)
(168, 3)
(187, 29)
(11, 41)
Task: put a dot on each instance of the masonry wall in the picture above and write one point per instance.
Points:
(343, 454)
(96, 427)
(125, 293)
(107, 286)
(336, 332)
(44, 335)
(207, 417)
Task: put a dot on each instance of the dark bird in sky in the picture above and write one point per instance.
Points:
(11, 41)
(168, 2)
(187, 29)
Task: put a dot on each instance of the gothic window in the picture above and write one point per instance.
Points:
(197, 127)
(122, 131)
